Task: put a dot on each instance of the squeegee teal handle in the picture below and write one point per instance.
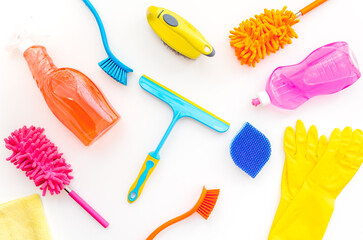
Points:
(145, 172)
(103, 35)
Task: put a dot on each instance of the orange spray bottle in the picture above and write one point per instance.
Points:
(72, 97)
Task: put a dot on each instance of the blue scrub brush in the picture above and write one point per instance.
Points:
(111, 65)
(250, 150)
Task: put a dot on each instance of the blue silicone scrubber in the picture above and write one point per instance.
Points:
(250, 150)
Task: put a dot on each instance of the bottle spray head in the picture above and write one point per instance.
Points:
(256, 102)
(262, 98)
(23, 37)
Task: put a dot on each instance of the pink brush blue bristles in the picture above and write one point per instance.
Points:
(250, 150)
(39, 158)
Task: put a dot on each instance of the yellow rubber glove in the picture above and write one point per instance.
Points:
(302, 151)
(23, 219)
(308, 215)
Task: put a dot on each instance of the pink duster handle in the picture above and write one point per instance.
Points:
(87, 207)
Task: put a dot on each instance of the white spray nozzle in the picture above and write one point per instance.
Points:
(263, 99)
(22, 38)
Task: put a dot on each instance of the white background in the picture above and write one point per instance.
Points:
(193, 155)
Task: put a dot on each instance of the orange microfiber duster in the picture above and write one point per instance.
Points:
(266, 33)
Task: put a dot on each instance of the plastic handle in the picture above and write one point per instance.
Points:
(103, 35)
(189, 33)
(170, 222)
(198, 43)
(202, 200)
(100, 25)
(145, 172)
(311, 6)
(88, 208)
(194, 39)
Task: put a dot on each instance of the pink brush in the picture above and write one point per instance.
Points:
(38, 157)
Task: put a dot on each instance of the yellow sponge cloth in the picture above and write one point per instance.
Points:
(22, 219)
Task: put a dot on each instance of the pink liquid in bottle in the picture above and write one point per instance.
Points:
(72, 97)
(326, 70)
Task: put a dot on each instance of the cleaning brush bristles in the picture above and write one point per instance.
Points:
(38, 157)
(204, 207)
(264, 34)
(116, 70)
(208, 203)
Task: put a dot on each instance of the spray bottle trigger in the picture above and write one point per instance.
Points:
(28, 29)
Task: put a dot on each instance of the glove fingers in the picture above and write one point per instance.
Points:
(346, 162)
(312, 145)
(301, 138)
(331, 149)
(333, 144)
(353, 157)
(334, 170)
(322, 145)
(289, 141)
(345, 143)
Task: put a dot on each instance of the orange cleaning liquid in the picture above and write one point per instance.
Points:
(72, 97)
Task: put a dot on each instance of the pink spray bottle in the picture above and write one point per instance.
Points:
(326, 70)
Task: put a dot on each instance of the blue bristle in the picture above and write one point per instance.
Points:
(250, 150)
(115, 71)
